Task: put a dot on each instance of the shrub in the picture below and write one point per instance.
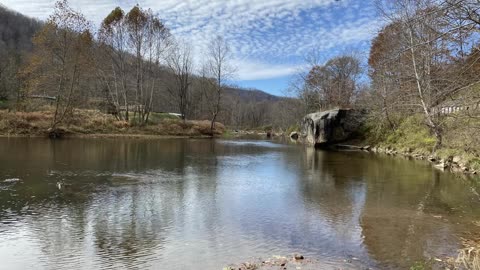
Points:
(121, 124)
(412, 133)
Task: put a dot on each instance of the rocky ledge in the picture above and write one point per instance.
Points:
(328, 127)
(297, 262)
(451, 163)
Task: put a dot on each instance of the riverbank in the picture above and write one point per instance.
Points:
(411, 138)
(444, 163)
(296, 261)
(467, 258)
(93, 123)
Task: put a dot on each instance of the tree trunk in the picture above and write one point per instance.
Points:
(426, 109)
(212, 124)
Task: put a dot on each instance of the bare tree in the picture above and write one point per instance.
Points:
(384, 100)
(148, 39)
(61, 59)
(329, 85)
(112, 61)
(180, 64)
(216, 72)
(134, 43)
(465, 10)
(334, 83)
(431, 57)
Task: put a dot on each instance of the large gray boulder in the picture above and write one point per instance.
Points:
(333, 126)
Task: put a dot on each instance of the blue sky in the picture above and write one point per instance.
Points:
(269, 38)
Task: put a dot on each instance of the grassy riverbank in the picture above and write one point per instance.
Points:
(460, 144)
(86, 123)
(459, 152)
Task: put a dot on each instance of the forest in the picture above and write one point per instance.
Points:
(131, 67)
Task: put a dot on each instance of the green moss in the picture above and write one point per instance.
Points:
(228, 134)
(421, 266)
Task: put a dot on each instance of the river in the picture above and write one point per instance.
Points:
(203, 204)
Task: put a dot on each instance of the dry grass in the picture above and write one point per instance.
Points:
(94, 122)
(176, 127)
(24, 123)
(469, 258)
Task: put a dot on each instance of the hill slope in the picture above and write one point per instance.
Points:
(240, 107)
(16, 30)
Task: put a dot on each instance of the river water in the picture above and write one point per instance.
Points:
(203, 204)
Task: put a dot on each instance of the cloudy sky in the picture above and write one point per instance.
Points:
(269, 38)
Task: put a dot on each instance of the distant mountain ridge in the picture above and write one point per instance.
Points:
(252, 95)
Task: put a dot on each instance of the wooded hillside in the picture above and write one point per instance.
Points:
(109, 71)
(423, 92)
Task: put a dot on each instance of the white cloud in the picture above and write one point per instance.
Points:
(271, 36)
(248, 70)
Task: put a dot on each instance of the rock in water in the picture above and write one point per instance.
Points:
(294, 135)
(298, 257)
(331, 126)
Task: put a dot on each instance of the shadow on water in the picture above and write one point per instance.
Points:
(179, 203)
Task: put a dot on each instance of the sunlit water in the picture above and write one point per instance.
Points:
(203, 204)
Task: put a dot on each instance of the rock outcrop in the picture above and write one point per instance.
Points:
(328, 127)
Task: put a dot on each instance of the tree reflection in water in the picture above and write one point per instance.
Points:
(207, 203)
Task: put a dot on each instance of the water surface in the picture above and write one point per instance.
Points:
(203, 204)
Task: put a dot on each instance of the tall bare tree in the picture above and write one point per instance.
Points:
(148, 39)
(216, 72)
(135, 43)
(112, 61)
(180, 63)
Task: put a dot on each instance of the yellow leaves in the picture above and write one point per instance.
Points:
(62, 53)
(64, 17)
(114, 17)
(137, 17)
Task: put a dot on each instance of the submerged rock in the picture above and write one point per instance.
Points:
(331, 126)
